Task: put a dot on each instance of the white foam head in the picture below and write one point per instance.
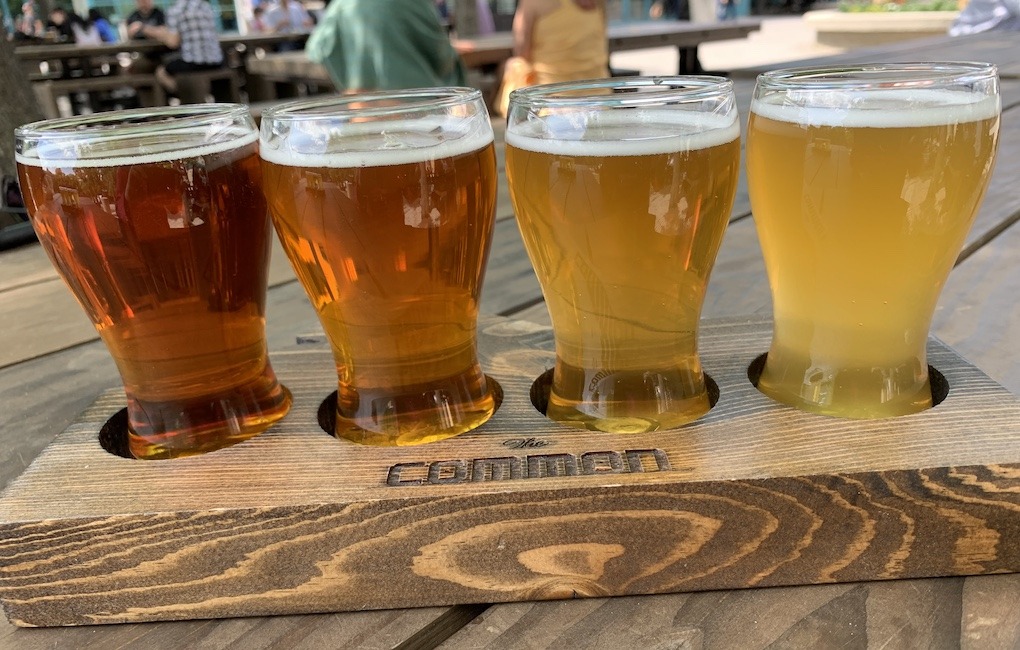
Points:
(876, 108)
(374, 144)
(631, 132)
(132, 149)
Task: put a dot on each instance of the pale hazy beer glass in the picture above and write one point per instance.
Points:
(385, 204)
(622, 190)
(864, 182)
(156, 221)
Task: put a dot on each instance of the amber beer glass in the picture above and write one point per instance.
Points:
(864, 182)
(622, 190)
(156, 221)
(385, 205)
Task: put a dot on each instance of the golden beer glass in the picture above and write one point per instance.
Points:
(864, 182)
(385, 204)
(622, 190)
(156, 221)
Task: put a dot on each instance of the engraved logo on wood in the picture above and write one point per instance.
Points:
(525, 443)
(511, 468)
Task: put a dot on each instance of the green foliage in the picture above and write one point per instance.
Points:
(865, 6)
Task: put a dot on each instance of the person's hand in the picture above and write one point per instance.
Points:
(134, 28)
(655, 11)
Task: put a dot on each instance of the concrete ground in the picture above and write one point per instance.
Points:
(781, 39)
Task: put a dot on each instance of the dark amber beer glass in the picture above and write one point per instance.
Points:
(623, 189)
(385, 205)
(864, 182)
(155, 219)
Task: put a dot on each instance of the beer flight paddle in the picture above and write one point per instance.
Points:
(673, 472)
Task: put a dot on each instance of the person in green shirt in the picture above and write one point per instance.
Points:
(384, 45)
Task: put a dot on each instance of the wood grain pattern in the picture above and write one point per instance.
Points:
(893, 614)
(295, 521)
(978, 312)
(24, 265)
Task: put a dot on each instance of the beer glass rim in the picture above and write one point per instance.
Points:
(879, 75)
(672, 89)
(332, 107)
(71, 139)
(134, 119)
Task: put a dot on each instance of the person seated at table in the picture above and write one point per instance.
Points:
(554, 41)
(191, 29)
(72, 28)
(384, 45)
(146, 14)
(106, 31)
(288, 16)
(563, 40)
(28, 26)
(257, 24)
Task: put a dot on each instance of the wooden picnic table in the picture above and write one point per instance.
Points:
(93, 68)
(496, 48)
(70, 51)
(52, 366)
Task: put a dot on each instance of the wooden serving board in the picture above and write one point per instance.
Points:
(295, 521)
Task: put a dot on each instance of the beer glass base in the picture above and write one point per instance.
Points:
(424, 432)
(179, 428)
(852, 395)
(637, 412)
(575, 417)
(413, 418)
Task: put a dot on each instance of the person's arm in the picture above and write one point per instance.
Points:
(523, 28)
(134, 25)
(164, 35)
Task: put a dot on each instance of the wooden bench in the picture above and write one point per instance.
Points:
(48, 92)
(223, 84)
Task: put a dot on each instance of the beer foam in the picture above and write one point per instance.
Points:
(877, 108)
(630, 132)
(365, 144)
(129, 149)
